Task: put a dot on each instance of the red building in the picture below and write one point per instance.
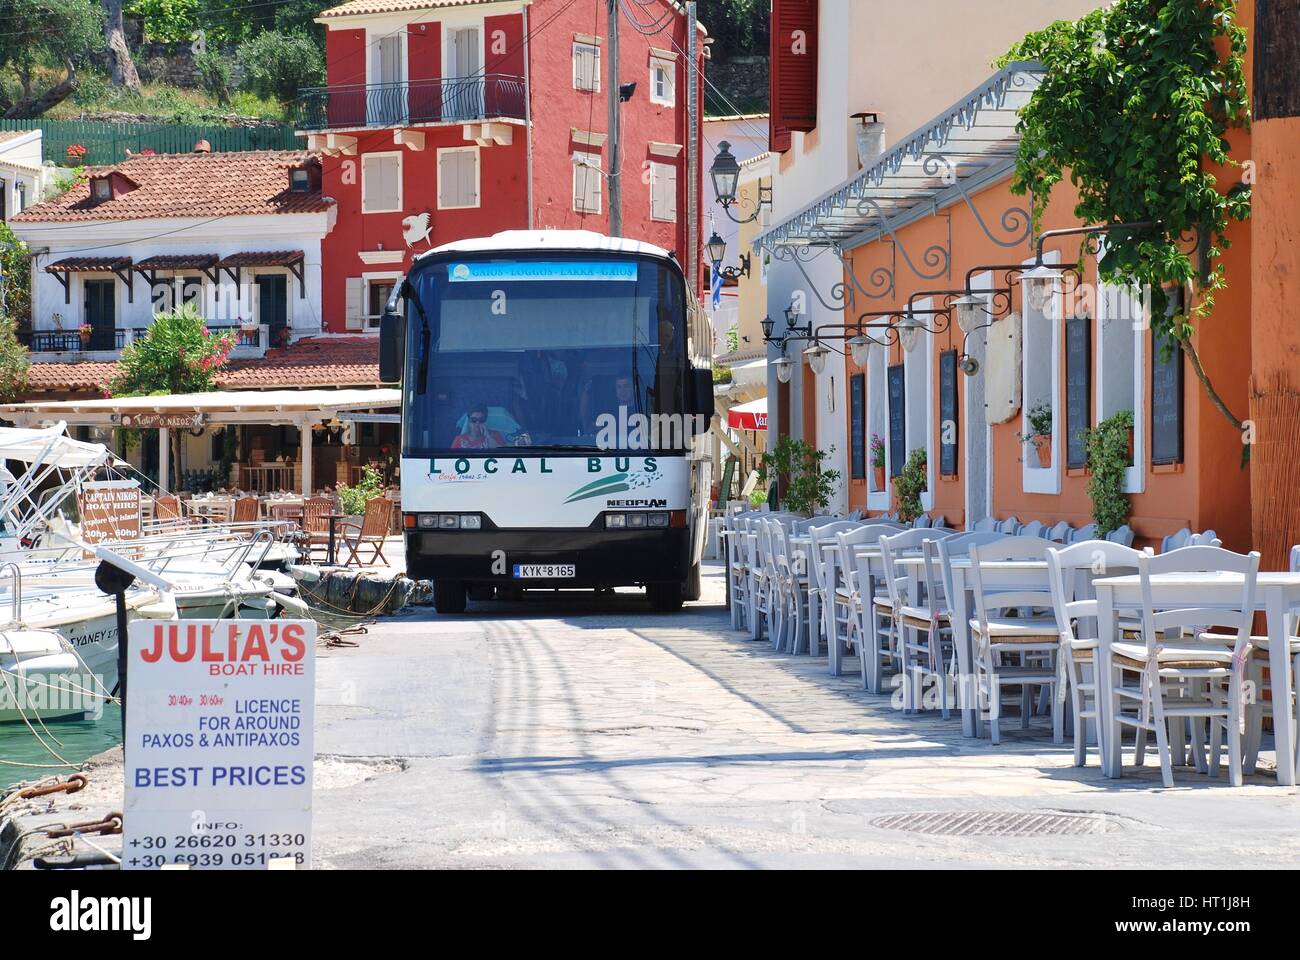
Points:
(447, 119)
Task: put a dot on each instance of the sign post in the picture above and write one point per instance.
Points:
(110, 510)
(219, 744)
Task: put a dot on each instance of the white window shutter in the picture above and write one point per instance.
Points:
(586, 67)
(354, 312)
(467, 178)
(446, 187)
(380, 178)
(663, 192)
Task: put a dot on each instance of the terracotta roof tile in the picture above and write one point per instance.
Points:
(189, 185)
(83, 375)
(358, 7)
(311, 362)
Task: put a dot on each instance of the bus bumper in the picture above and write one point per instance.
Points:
(601, 558)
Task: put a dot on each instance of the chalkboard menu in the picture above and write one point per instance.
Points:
(1078, 390)
(948, 413)
(897, 421)
(1166, 402)
(858, 421)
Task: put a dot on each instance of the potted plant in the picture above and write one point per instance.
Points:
(810, 486)
(910, 483)
(85, 330)
(878, 461)
(1039, 420)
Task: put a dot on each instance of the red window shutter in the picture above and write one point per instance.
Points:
(793, 70)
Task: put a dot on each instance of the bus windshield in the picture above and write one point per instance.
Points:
(539, 351)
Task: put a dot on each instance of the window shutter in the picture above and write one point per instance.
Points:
(587, 183)
(458, 179)
(379, 183)
(586, 67)
(663, 192)
(353, 311)
(793, 74)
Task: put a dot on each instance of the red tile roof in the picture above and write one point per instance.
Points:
(330, 361)
(356, 7)
(189, 185)
(311, 362)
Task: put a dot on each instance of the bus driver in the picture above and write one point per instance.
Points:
(477, 435)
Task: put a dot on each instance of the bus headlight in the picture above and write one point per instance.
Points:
(471, 521)
(615, 521)
(658, 520)
(427, 521)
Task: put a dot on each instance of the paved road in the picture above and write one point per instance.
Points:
(593, 732)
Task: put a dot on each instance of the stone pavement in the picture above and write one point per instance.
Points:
(590, 732)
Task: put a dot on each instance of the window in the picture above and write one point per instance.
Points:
(663, 192)
(588, 186)
(878, 424)
(918, 374)
(191, 290)
(586, 67)
(458, 178)
(381, 183)
(299, 180)
(663, 81)
(1041, 387)
(378, 293)
(101, 189)
(20, 196)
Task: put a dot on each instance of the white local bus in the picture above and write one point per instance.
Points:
(557, 387)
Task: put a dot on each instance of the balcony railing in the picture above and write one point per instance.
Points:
(490, 97)
(53, 345)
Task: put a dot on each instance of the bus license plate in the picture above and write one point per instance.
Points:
(545, 571)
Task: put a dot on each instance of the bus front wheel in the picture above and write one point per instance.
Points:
(666, 597)
(449, 596)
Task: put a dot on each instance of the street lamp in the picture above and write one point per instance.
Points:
(767, 324)
(716, 249)
(909, 331)
(725, 174)
(816, 356)
(783, 369)
(860, 347)
(970, 312)
(1039, 284)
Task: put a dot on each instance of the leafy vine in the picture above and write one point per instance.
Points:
(1135, 99)
(1108, 460)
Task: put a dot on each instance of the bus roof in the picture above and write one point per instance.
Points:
(567, 240)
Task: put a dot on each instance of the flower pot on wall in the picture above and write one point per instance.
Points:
(879, 472)
(1043, 447)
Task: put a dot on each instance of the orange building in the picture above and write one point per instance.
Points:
(934, 213)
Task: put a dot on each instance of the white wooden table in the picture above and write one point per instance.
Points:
(1276, 594)
(1002, 574)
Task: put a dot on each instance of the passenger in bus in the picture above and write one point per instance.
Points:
(477, 435)
(597, 402)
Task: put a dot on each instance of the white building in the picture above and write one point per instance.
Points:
(237, 234)
(22, 176)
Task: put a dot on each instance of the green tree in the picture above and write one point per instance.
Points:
(44, 35)
(1137, 103)
(276, 64)
(178, 354)
(738, 27)
(15, 312)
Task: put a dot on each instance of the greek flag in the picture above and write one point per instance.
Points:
(717, 289)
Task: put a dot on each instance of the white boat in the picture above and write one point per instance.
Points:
(42, 679)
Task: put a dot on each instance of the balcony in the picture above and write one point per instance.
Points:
(441, 101)
(63, 346)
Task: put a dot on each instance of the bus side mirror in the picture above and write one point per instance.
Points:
(702, 393)
(392, 347)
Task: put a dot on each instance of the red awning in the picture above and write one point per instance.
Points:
(748, 416)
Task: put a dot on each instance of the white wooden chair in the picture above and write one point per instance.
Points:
(983, 525)
(856, 587)
(1122, 535)
(1087, 532)
(1034, 528)
(822, 580)
(1010, 526)
(1070, 570)
(915, 621)
(737, 568)
(1207, 539)
(1175, 541)
(1014, 645)
(1260, 706)
(791, 585)
(1188, 678)
(1060, 533)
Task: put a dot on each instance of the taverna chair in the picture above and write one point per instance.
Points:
(1015, 646)
(370, 532)
(861, 585)
(247, 510)
(1172, 676)
(1070, 571)
(915, 622)
(823, 578)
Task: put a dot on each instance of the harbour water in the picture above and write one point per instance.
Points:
(74, 741)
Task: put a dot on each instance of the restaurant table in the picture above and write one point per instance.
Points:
(1001, 574)
(333, 519)
(1276, 594)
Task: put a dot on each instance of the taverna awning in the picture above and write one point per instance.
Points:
(748, 416)
(195, 409)
(968, 146)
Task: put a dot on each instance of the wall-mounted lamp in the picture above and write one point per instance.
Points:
(816, 355)
(1039, 285)
(716, 249)
(725, 174)
(783, 369)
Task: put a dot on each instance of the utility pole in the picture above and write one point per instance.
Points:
(615, 156)
(692, 150)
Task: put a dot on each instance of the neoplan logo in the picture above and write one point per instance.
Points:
(75, 913)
